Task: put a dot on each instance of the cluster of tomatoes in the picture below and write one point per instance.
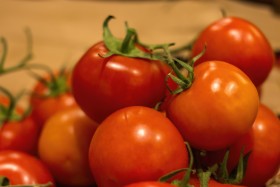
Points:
(130, 114)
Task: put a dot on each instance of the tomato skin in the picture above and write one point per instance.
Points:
(19, 135)
(63, 146)
(103, 85)
(212, 183)
(135, 144)
(263, 142)
(238, 42)
(149, 184)
(22, 168)
(208, 114)
(45, 106)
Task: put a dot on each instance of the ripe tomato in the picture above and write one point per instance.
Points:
(263, 142)
(219, 107)
(51, 95)
(18, 132)
(238, 42)
(264, 160)
(21, 168)
(103, 85)
(212, 183)
(135, 144)
(63, 146)
(149, 184)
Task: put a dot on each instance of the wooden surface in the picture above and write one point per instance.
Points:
(63, 30)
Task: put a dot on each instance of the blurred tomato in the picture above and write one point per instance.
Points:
(18, 131)
(22, 169)
(63, 146)
(239, 42)
(51, 94)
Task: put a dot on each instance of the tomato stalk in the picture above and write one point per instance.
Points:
(184, 82)
(188, 171)
(23, 62)
(236, 176)
(9, 113)
(57, 85)
(128, 46)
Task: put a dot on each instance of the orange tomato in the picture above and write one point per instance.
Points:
(63, 146)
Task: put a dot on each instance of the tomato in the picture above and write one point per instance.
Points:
(239, 42)
(135, 144)
(21, 168)
(149, 184)
(219, 107)
(19, 131)
(104, 85)
(263, 143)
(50, 94)
(212, 183)
(63, 146)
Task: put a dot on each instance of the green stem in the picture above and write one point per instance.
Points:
(56, 85)
(22, 62)
(4, 54)
(187, 175)
(10, 109)
(129, 40)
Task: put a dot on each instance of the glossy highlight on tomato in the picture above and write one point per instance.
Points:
(239, 42)
(104, 85)
(135, 144)
(219, 107)
(22, 169)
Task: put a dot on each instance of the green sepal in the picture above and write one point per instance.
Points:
(127, 47)
(4, 181)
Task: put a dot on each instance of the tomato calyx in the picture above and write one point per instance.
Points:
(236, 176)
(4, 181)
(56, 84)
(219, 171)
(8, 112)
(184, 82)
(128, 46)
(23, 63)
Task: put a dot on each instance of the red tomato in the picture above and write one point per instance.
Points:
(104, 85)
(219, 107)
(47, 99)
(238, 42)
(18, 134)
(212, 183)
(63, 146)
(135, 144)
(21, 168)
(149, 184)
(263, 142)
